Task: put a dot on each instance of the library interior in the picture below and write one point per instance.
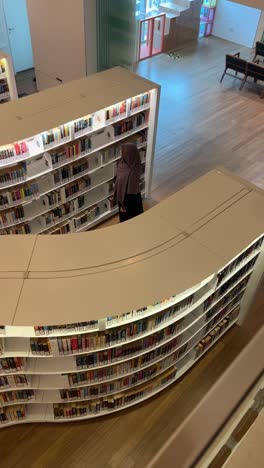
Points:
(132, 235)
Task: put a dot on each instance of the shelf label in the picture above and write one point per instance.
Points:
(35, 145)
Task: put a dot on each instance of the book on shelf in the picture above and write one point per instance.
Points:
(40, 346)
(4, 88)
(131, 123)
(67, 328)
(13, 216)
(12, 413)
(126, 350)
(13, 175)
(116, 110)
(67, 152)
(83, 124)
(56, 135)
(82, 409)
(165, 314)
(21, 229)
(18, 194)
(15, 364)
(16, 396)
(134, 364)
(213, 335)
(236, 277)
(138, 101)
(13, 381)
(128, 381)
(235, 263)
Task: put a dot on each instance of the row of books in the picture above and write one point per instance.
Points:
(16, 215)
(87, 342)
(90, 215)
(126, 351)
(217, 317)
(228, 284)
(114, 386)
(66, 173)
(139, 101)
(131, 123)
(76, 205)
(213, 335)
(13, 381)
(116, 110)
(14, 175)
(67, 152)
(56, 135)
(12, 413)
(134, 364)
(82, 409)
(4, 88)
(12, 151)
(233, 265)
(164, 315)
(17, 395)
(86, 218)
(14, 364)
(225, 309)
(223, 299)
(19, 194)
(65, 329)
(83, 124)
(20, 229)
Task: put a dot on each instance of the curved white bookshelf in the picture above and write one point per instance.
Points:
(72, 361)
(64, 136)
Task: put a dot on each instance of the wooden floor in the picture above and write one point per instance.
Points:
(202, 125)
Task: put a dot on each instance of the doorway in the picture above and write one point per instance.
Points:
(151, 36)
(18, 34)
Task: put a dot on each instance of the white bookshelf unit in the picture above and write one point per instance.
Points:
(8, 89)
(95, 322)
(59, 149)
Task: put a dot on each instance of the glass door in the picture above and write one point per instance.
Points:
(151, 36)
(146, 35)
(158, 34)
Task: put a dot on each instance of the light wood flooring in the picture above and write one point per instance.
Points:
(202, 125)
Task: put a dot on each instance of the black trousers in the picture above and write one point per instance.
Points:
(134, 207)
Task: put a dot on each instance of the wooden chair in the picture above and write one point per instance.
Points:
(256, 72)
(259, 50)
(238, 65)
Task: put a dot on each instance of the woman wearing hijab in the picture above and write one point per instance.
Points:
(127, 191)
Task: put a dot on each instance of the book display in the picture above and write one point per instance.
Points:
(57, 176)
(74, 347)
(8, 90)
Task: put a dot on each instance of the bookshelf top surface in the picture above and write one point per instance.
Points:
(31, 115)
(167, 250)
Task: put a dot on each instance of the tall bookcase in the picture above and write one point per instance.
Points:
(59, 149)
(96, 322)
(8, 90)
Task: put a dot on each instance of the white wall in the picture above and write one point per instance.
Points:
(236, 23)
